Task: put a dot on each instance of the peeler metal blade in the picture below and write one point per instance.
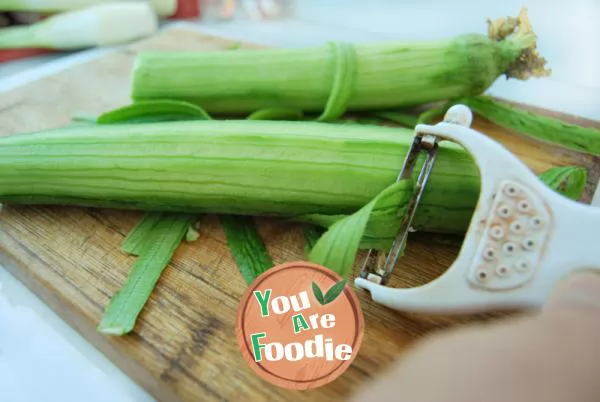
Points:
(379, 265)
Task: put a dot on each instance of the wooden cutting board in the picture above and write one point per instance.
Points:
(183, 347)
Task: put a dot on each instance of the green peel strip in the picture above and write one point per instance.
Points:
(123, 309)
(337, 248)
(277, 114)
(404, 119)
(569, 181)
(429, 116)
(578, 138)
(137, 239)
(154, 111)
(343, 81)
(246, 246)
(311, 234)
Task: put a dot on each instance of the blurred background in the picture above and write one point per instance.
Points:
(42, 359)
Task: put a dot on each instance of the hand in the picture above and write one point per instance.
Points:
(553, 356)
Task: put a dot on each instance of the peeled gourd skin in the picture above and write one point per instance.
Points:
(337, 77)
(388, 75)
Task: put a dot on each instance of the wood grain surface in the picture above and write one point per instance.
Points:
(183, 347)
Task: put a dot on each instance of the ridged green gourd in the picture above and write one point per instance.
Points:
(339, 77)
(250, 167)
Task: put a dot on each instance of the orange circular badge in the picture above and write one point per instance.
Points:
(299, 325)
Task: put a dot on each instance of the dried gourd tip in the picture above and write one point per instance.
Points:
(519, 30)
(501, 28)
(1, 207)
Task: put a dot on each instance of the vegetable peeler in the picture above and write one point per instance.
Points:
(522, 240)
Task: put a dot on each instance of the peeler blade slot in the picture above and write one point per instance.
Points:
(411, 160)
(378, 266)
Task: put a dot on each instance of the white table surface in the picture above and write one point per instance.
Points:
(43, 359)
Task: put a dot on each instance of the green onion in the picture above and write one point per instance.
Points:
(97, 25)
(333, 78)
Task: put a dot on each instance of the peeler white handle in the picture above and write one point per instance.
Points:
(523, 238)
